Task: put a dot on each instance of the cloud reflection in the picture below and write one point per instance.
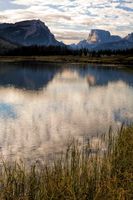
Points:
(68, 107)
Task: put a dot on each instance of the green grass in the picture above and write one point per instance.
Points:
(75, 175)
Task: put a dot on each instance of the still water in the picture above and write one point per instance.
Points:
(43, 105)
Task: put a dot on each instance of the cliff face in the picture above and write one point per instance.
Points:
(103, 40)
(101, 36)
(6, 46)
(31, 32)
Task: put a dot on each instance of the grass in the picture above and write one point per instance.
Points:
(77, 174)
(122, 60)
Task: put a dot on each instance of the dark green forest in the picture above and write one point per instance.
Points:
(63, 50)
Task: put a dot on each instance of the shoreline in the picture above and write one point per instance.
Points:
(112, 60)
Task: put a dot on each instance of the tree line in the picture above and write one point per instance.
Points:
(63, 50)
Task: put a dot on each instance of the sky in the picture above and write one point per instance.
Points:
(71, 20)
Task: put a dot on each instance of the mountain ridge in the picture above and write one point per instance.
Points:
(35, 32)
(28, 32)
(103, 40)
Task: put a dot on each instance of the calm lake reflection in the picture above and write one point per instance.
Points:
(42, 105)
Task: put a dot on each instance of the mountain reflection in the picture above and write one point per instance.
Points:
(68, 107)
(36, 76)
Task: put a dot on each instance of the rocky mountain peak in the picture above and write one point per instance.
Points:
(31, 23)
(29, 32)
(97, 36)
(129, 37)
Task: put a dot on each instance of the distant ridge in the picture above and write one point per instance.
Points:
(103, 40)
(35, 32)
(27, 33)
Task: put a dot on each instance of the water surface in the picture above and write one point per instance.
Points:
(42, 105)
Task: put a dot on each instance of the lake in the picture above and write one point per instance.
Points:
(43, 106)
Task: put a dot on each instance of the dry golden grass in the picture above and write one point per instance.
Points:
(122, 60)
(75, 175)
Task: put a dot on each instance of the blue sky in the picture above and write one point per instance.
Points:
(71, 20)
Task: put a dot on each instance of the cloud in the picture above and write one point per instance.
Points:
(2, 17)
(46, 119)
(125, 8)
(74, 15)
(70, 36)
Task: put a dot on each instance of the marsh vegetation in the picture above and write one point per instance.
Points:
(76, 174)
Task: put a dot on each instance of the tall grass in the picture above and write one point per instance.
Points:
(76, 175)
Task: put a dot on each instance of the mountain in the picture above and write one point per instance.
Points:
(27, 33)
(118, 45)
(103, 40)
(6, 46)
(35, 32)
(129, 37)
(101, 36)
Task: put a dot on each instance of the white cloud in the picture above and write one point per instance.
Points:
(69, 16)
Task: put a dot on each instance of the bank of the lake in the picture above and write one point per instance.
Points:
(118, 60)
(77, 174)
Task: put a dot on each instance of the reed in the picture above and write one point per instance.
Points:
(78, 174)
